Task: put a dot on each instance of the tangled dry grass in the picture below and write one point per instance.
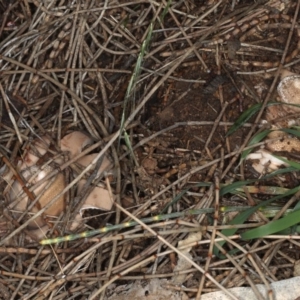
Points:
(156, 85)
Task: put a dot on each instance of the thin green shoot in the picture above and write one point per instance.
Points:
(179, 196)
(254, 140)
(242, 217)
(129, 146)
(135, 75)
(272, 227)
(188, 213)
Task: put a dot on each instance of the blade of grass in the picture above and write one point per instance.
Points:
(137, 70)
(259, 137)
(129, 146)
(135, 76)
(293, 164)
(165, 11)
(273, 226)
(279, 172)
(247, 114)
(242, 217)
(255, 139)
(178, 197)
(291, 230)
(243, 118)
(234, 186)
(291, 131)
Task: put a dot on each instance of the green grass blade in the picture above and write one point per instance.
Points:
(242, 217)
(225, 189)
(246, 115)
(166, 10)
(179, 196)
(243, 118)
(279, 172)
(293, 164)
(238, 186)
(273, 227)
(291, 230)
(129, 146)
(297, 206)
(255, 139)
(135, 76)
(291, 131)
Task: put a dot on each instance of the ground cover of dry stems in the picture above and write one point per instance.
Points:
(71, 65)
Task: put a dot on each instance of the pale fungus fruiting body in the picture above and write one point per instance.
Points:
(289, 92)
(36, 174)
(99, 197)
(283, 142)
(45, 193)
(264, 161)
(280, 116)
(74, 142)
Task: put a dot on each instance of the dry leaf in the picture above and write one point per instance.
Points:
(182, 263)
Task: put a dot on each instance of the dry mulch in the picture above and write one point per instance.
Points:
(74, 66)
